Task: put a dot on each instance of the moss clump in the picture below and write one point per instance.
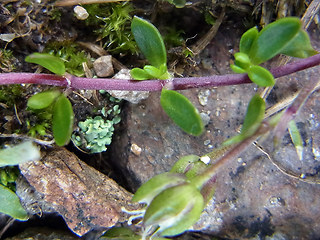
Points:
(6, 60)
(114, 21)
(10, 94)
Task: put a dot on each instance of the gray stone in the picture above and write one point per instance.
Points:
(130, 96)
(253, 199)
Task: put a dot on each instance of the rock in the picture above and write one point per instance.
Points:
(130, 96)
(253, 198)
(84, 197)
(103, 66)
(80, 12)
(43, 234)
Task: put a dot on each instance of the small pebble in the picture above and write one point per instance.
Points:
(135, 149)
(103, 66)
(80, 12)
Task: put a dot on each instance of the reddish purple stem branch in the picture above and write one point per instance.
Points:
(150, 85)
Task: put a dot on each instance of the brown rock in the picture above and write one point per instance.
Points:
(103, 66)
(84, 197)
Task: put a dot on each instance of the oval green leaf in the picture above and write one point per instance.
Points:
(62, 120)
(181, 111)
(254, 116)
(182, 164)
(43, 100)
(52, 63)
(237, 69)
(20, 153)
(273, 38)
(242, 60)
(247, 39)
(296, 138)
(149, 41)
(175, 209)
(10, 204)
(300, 46)
(139, 74)
(153, 71)
(151, 188)
(261, 76)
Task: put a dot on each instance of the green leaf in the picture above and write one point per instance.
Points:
(254, 116)
(261, 76)
(175, 209)
(300, 46)
(181, 111)
(10, 204)
(62, 120)
(20, 153)
(296, 138)
(237, 69)
(149, 41)
(52, 63)
(43, 100)
(247, 39)
(181, 165)
(150, 189)
(273, 39)
(242, 60)
(190, 165)
(139, 74)
(153, 71)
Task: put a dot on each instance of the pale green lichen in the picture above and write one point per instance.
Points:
(95, 134)
(98, 133)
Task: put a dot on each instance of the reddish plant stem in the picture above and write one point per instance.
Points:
(150, 85)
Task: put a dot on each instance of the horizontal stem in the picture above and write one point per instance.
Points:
(150, 85)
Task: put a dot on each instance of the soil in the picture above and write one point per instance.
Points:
(39, 23)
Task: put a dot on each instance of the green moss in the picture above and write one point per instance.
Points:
(6, 60)
(8, 176)
(39, 122)
(10, 94)
(173, 37)
(114, 21)
(71, 54)
(55, 14)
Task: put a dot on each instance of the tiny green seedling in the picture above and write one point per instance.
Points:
(150, 42)
(176, 105)
(284, 36)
